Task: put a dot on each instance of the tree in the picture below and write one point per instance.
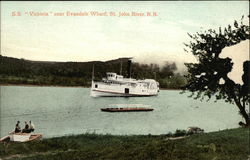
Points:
(204, 77)
(168, 69)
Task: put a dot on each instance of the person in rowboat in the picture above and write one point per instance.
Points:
(26, 128)
(17, 128)
(31, 127)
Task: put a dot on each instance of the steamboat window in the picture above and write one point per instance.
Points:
(96, 86)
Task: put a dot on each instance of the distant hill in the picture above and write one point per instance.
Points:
(21, 71)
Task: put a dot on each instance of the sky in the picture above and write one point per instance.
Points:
(239, 54)
(149, 39)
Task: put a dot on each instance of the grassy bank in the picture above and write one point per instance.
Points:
(223, 145)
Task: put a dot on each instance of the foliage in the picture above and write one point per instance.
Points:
(224, 145)
(20, 71)
(204, 77)
(173, 82)
(179, 133)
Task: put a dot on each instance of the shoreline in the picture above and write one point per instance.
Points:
(34, 85)
(169, 134)
(205, 146)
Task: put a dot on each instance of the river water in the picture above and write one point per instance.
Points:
(58, 111)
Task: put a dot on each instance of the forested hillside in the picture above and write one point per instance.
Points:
(21, 71)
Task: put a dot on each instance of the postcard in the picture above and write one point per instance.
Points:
(124, 80)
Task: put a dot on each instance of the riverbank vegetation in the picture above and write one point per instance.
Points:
(230, 144)
(21, 71)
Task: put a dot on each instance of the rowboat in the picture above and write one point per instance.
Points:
(21, 137)
(126, 109)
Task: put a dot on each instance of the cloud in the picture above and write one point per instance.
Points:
(239, 54)
(102, 38)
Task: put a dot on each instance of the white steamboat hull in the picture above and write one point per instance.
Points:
(102, 93)
(124, 88)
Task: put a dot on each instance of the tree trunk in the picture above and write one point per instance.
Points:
(243, 112)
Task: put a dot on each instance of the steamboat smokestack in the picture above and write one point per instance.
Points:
(129, 68)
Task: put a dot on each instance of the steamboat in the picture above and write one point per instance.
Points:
(114, 85)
